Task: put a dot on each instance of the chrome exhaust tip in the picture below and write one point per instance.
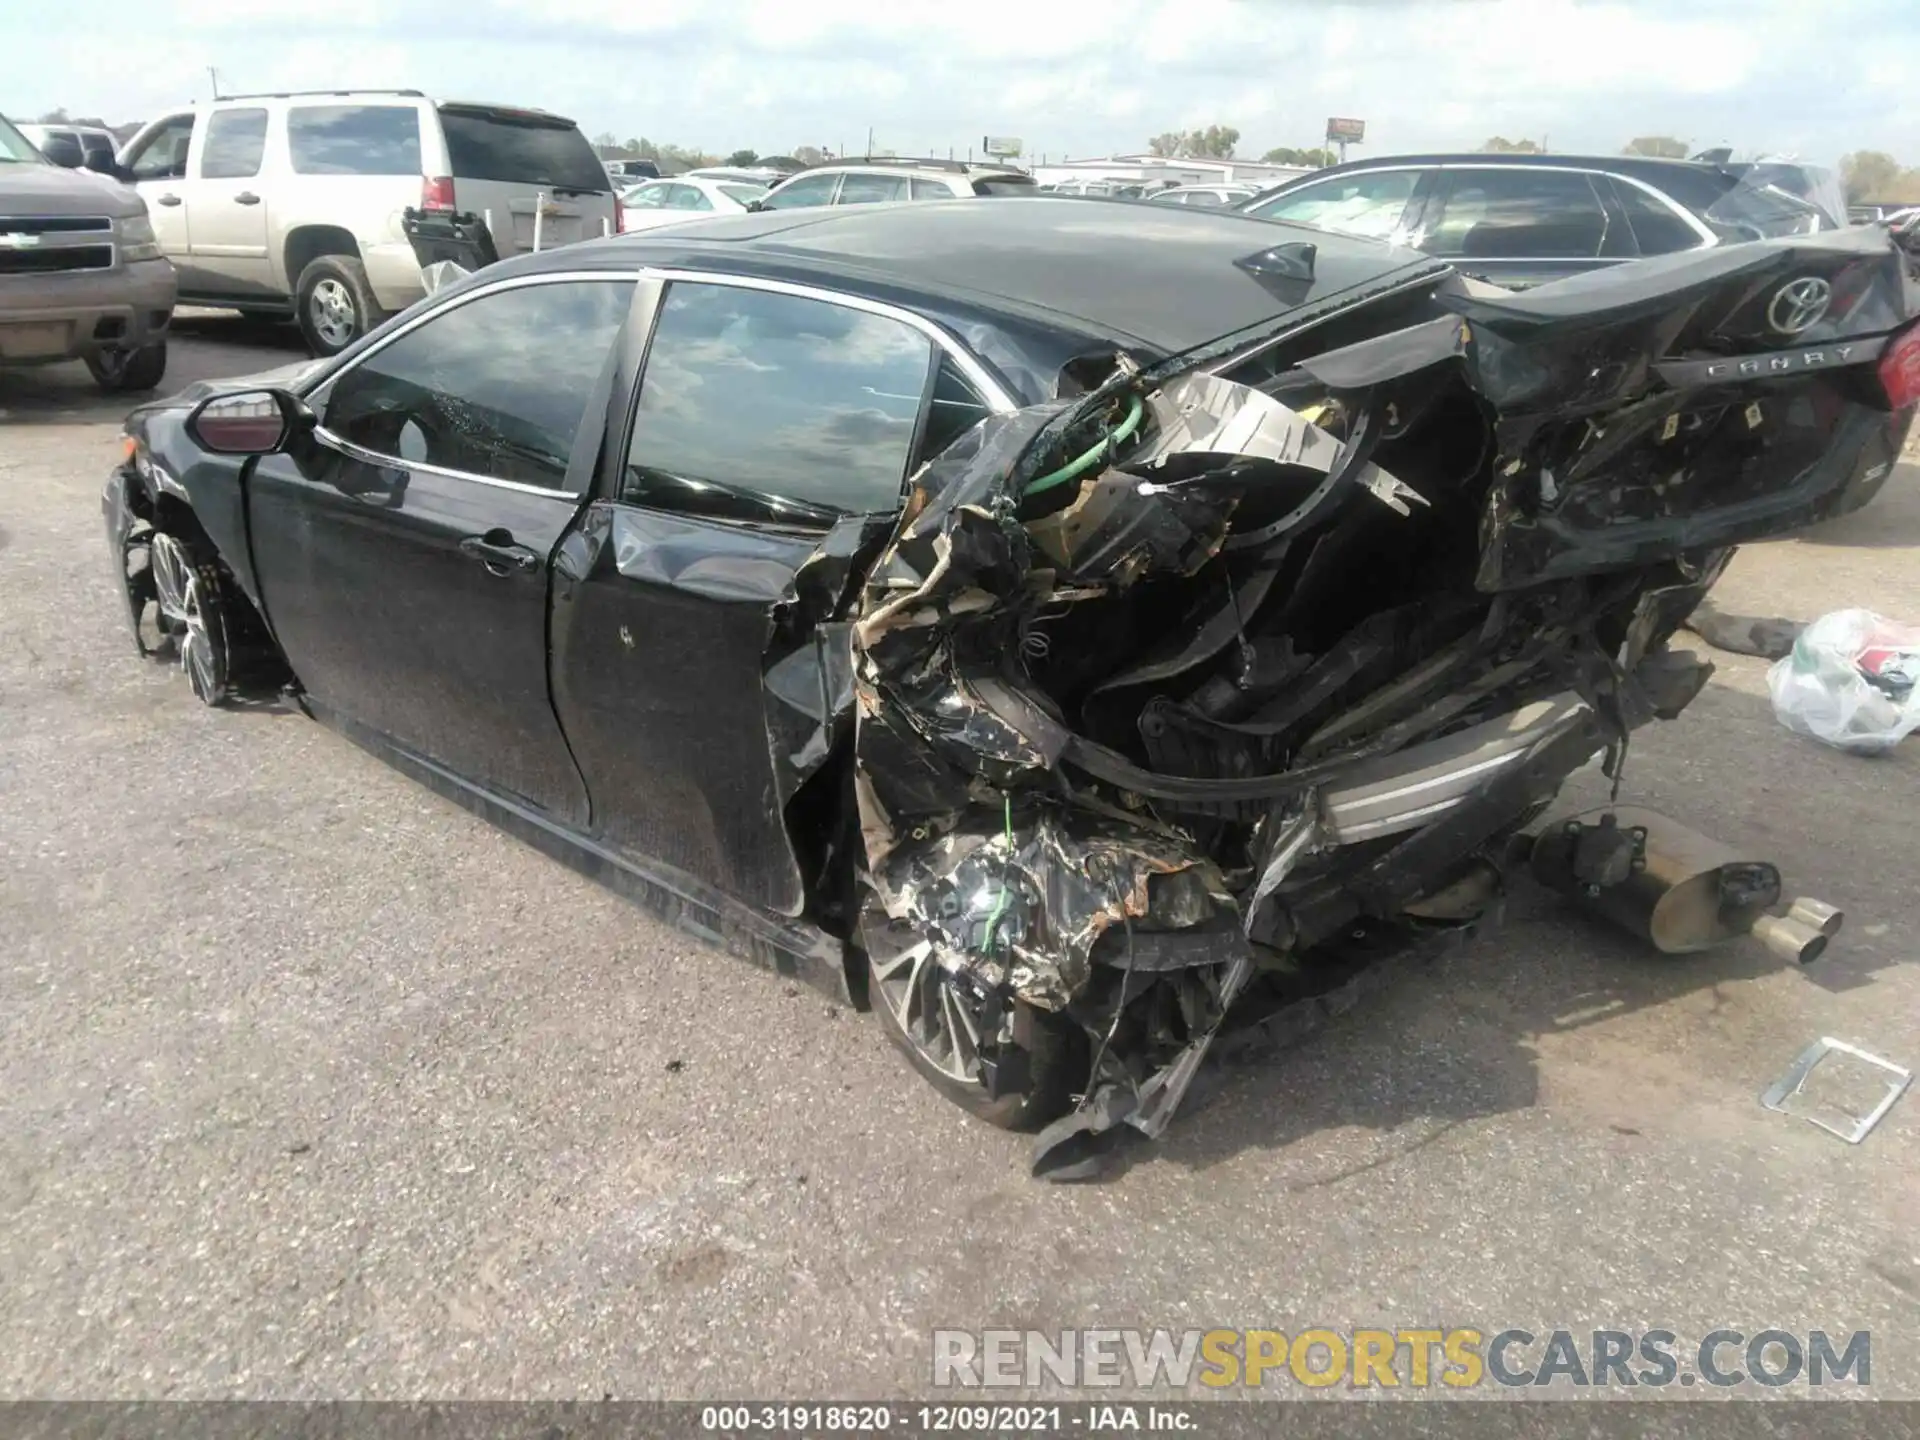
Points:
(1789, 938)
(1817, 915)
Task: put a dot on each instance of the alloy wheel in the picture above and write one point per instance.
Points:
(937, 1017)
(330, 307)
(191, 615)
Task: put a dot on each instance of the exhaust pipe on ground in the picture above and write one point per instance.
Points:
(1679, 890)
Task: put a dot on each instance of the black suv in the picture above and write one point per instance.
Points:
(1520, 220)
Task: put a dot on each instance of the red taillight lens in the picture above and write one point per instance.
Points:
(619, 215)
(1900, 368)
(436, 193)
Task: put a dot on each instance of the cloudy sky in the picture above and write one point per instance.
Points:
(1810, 77)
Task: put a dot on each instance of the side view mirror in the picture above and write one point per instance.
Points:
(248, 422)
(64, 151)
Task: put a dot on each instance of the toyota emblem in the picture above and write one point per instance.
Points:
(1800, 305)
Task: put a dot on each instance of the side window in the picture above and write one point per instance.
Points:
(688, 197)
(774, 408)
(1204, 197)
(1370, 203)
(354, 139)
(646, 197)
(1517, 214)
(812, 190)
(924, 189)
(1656, 229)
(954, 408)
(236, 139)
(495, 387)
(870, 189)
(163, 154)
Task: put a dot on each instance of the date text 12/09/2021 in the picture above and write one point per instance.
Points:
(946, 1419)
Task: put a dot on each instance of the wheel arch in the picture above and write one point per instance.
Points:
(306, 243)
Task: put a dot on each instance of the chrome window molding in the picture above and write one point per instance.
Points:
(991, 390)
(388, 462)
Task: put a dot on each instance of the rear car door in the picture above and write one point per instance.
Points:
(1522, 225)
(158, 161)
(533, 173)
(765, 419)
(228, 243)
(402, 550)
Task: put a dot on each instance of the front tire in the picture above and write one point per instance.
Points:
(119, 372)
(944, 1030)
(191, 599)
(334, 304)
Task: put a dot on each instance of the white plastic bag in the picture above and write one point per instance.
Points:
(1849, 682)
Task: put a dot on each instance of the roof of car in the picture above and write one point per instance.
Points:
(1645, 166)
(1085, 272)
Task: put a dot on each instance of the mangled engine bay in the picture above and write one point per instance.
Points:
(1210, 687)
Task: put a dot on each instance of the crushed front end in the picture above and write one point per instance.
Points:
(1205, 691)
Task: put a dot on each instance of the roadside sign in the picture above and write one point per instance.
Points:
(1001, 147)
(1346, 132)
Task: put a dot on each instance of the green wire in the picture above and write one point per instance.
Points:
(1079, 466)
(1000, 906)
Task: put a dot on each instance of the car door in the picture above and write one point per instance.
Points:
(157, 159)
(402, 551)
(765, 420)
(1522, 225)
(228, 243)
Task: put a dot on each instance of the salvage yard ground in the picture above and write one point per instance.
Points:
(311, 1084)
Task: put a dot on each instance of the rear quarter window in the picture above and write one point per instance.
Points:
(354, 139)
(525, 150)
(1004, 185)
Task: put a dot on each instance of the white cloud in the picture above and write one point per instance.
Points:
(1073, 76)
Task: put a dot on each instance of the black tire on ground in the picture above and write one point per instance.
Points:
(1057, 1059)
(117, 372)
(334, 304)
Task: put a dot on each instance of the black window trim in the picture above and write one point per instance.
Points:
(326, 379)
(657, 280)
(1693, 222)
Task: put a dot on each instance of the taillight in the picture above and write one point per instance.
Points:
(436, 193)
(619, 216)
(1900, 368)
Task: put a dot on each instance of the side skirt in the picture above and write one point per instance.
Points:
(795, 949)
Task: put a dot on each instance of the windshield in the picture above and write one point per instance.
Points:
(14, 147)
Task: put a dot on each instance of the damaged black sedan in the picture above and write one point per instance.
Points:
(1054, 623)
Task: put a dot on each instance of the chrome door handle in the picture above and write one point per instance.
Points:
(246, 197)
(167, 200)
(498, 553)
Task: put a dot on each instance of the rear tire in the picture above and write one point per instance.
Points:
(922, 1009)
(334, 304)
(119, 372)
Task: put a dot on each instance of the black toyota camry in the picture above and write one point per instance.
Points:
(1056, 623)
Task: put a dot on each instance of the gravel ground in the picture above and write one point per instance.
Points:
(312, 1085)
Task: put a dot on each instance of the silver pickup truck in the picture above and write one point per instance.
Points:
(81, 274)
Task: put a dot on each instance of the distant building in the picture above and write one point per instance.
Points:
(1155, 169)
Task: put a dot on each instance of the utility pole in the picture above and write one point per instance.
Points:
(869, 149)
(214, 76)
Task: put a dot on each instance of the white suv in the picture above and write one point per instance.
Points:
(882, 178)
(294, 204)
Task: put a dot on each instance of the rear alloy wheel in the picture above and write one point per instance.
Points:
(955, 1035)
(335, 304)
(193, 612)
(120, 371)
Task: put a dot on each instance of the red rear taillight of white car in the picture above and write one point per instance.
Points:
(1900, 368)
(619, 215)
(436, 193)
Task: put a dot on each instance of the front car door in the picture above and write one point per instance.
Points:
(402, 551)
(1523, 225)
(229, 240)
(158, 160)
(767, 416)
(803, 191)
